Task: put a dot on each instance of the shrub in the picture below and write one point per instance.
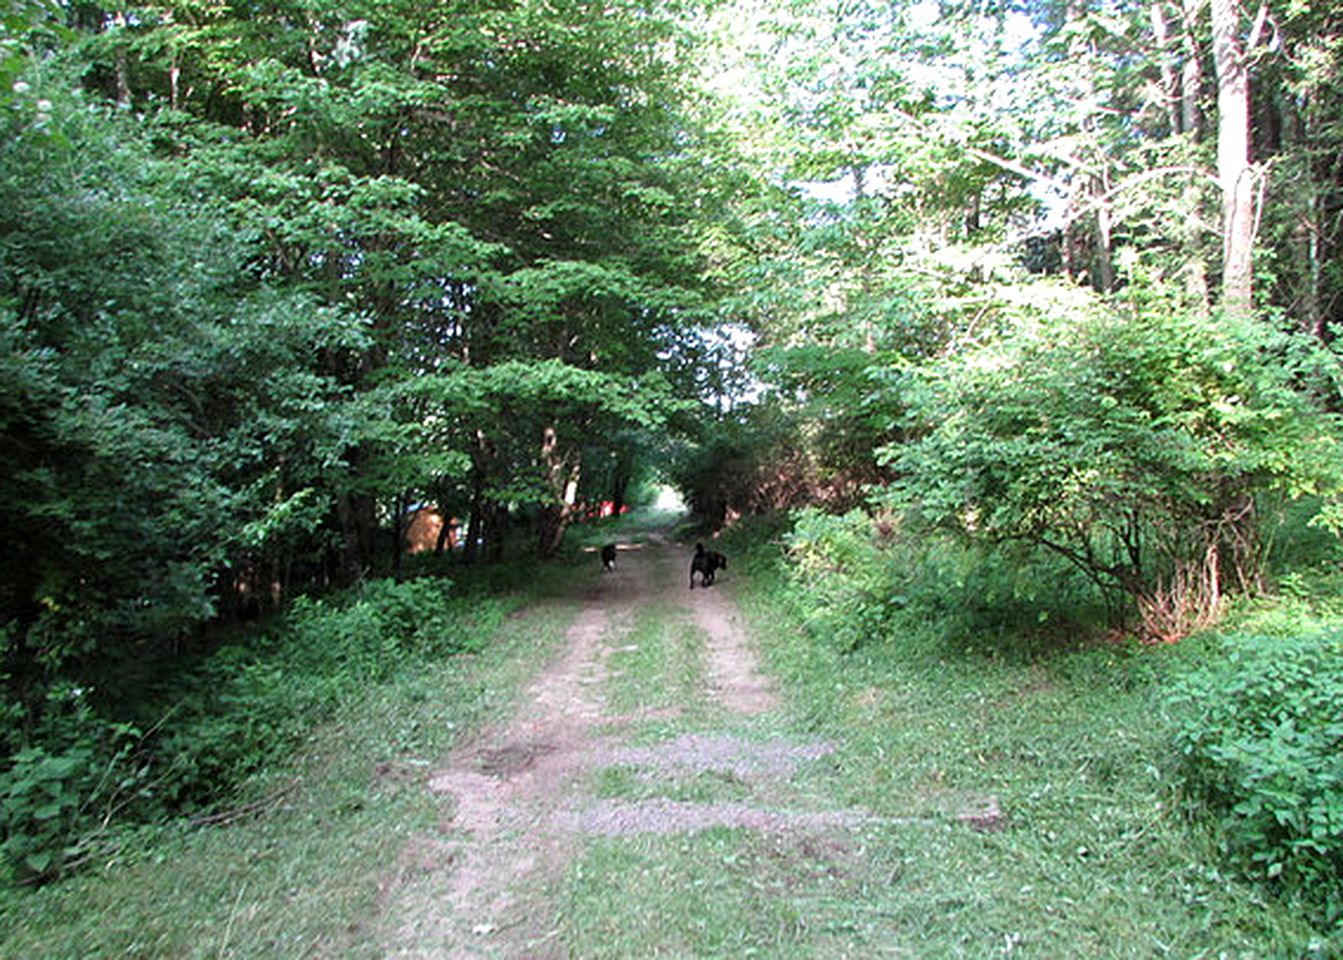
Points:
(1139, 444)
(41, 795)
(851, 587)
(1262, 748)
(65, 782)
(209, 726)
(861, 578)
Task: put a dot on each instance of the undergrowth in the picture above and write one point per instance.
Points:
(1262, 742)
(95, 766)
(319, 833)
(859, 580)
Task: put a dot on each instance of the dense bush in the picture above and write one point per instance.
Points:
(172, 427)
(1262, 747)
(88, 767)
(862, 578)
(852, 584)
(1138, 443)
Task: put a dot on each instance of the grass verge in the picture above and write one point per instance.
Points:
(302, 876)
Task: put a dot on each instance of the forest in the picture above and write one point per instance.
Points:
(1012, 324)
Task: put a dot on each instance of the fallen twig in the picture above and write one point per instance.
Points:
(246, 810)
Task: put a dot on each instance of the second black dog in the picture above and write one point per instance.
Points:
(609, 556)
(705, 563)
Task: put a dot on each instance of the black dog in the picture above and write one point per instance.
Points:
(705, 563)
(716, 562)
(609, 556)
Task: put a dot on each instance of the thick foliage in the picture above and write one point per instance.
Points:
(761, 460)
(207, 314)
(853, 583)
(861, 580)
(1135, 443)
(1261, 748)
(503, 192)
(90, 768)
(167, 424)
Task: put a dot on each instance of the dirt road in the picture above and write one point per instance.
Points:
(519, 802)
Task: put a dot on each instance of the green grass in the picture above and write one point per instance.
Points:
(1095, 857)
(717, 893)
(301, 878)
(657, 662)
(1092, 854)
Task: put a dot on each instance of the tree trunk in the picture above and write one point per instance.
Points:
(1233, 158)
(1191, 76)
(563, 469)
(1089, 185)
(1170, 80)
(1105, 269)
(619, 491)
(1312, 307)
(1309, 238)
(447, 538)
(352, 556)
(495, 525)
(554, 523)
(399, 507)
(120, 68)
(475, 526)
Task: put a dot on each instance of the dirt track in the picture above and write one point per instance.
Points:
(517, 800)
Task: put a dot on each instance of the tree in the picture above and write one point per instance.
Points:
(1296, 137)
(172, 437)
(482, 185)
